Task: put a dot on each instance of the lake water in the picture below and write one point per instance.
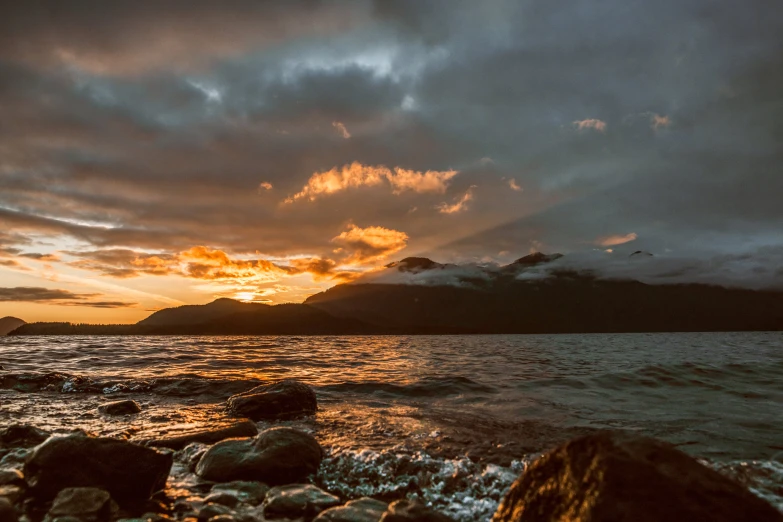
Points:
(452, 419)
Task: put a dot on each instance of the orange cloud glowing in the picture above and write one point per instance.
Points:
(595, 124)
(609, 241)
(357, 175)
(459, 205)
(370, 244)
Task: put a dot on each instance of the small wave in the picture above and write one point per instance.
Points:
(429, 387)
(461, 488)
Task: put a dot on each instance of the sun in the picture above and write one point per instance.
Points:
(245, 296)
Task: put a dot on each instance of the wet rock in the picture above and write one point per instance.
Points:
(284, 399)
(207, 435)
(7, 511)
(21, 436)
(616, 476)
(11, 476)
(252, 493)
(15, 458)
(412, 511)
(223, 518)
(85, 504)
(361, 510)
(222, 498)
(129, 472)
(212, 510)
(297, 500)
(12, 493)
(125, 407)
(276, 456)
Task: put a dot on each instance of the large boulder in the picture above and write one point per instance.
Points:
(204, 435)
(297, 500)
(276, 456)
(360, 510)
(616, 476)
(412, 511)
(129, 472)
(284, 399)
(85, 504)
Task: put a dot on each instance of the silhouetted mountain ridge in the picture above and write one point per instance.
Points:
(448, 298)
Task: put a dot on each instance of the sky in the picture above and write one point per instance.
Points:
(265, 151)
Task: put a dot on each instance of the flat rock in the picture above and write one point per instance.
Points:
(297, 500)
(7, 511)
(284, 399)
(21, 436)
(248, 492)
(205, 435)
(412, 511)
(210, 511)
(86, 504)
(276, 456)
(223, 498)
(616, 476)
(360, 510)
(129, 472)
(11, 476)
(124, 407)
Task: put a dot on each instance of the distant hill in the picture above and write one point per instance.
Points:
(9, 324)
(534, 294)
(221, 317)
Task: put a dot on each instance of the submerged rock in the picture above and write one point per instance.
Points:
(85, 504)
(276, 456)
(616, 476)
(127, 471)
(11, 476)
(412, 511)
(361, 510)
(21, 436)
(284, 399)
(297, 500)
(125, 407)
(252, 493)
(207, 435)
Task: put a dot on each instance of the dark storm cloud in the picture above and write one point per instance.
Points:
(32, 294)
(127, 127)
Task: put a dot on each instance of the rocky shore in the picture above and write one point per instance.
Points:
(233, 472)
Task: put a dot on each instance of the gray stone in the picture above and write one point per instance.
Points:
(15, 458)
(360, 510)
(284, 399)
(297, 500)
(252, 493)
(124, 407)
(85, 504)
(276, 456)
(129, 472)
(412, 511)
(622, 477)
